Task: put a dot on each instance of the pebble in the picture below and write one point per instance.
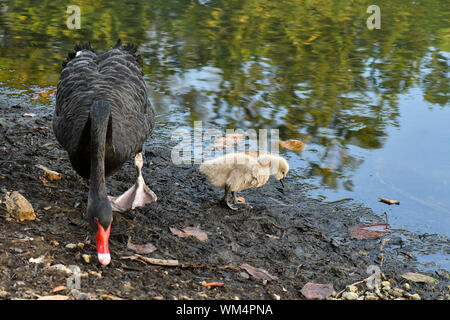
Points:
(413, 296)
(385, 284)
(349, 296)
(3, 294)
(244, 275)
(406, 286)
(397, 292)
(71, 246)
(19, 207)
(352, 288)
(371, 296)
(86, 258)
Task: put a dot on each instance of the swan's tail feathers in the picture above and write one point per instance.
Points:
(78, 47)
(131, 48)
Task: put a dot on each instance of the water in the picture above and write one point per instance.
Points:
(373, 106)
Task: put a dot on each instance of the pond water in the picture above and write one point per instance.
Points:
(372, 105)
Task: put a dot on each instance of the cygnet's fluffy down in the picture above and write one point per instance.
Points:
(239, 171)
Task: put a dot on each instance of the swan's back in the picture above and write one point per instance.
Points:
(114, 76)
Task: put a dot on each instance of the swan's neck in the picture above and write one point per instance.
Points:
(99, 126)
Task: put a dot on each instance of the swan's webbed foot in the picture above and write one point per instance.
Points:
(138, 195)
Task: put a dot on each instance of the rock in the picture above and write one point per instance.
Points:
(351, 288)
(19, 207)
(349, 296)
(397, 292)
(71, 246)
(406, 286)
(385, 284)
(3, 294)
(371, 296)
(86, 258)
(244, 275)
(413, 296)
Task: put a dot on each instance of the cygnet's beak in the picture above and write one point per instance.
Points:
(282, 182)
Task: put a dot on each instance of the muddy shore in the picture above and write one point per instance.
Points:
(293, 237)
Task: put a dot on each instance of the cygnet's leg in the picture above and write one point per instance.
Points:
(224, 199)
(138, 195)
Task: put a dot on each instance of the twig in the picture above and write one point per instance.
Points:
(353, 284)
(388, 201)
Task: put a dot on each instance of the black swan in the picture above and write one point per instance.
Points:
(103, 117)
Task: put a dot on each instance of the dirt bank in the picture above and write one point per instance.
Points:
(294, 238)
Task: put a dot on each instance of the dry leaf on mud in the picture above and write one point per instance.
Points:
(50, 174)
(213, 284)
(228, 140)
(58, 289)
(371, 231)
(159, 262)
(388, 201)
(29, 115)
(258, 273)
(190, 231)
(294, 145)
(141, 248)
(418, 277)
(317, 291)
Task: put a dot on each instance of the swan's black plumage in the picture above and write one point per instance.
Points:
(103, 117)
(114, 76)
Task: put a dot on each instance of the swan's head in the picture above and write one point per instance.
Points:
(100, 217)
(282, 170)
(279, 167)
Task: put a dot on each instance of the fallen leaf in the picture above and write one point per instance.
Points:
(258, 273)
(228, 140)
(190, 231)
(141, 248)
(19, 207)
(58, 289)
(418, 277)
(317, 291)
(371, 231)
(388, 201)
(54, 297)
(213, 284)
(294, 145)
(29, 115)
(50, 174)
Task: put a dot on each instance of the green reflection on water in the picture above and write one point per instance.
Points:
(310, 68)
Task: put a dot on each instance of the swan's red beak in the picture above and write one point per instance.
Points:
(102, 239)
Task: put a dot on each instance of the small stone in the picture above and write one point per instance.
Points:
(86, 258)
(385, 284)
(413, 296)
(19, 207)
(349, 296)
(351, 288)
(397, 292)
(71, 246)
(95, 273)
(406, 286)
(371, 296)
(80, 245)
(3, 294)
(275, 296)
(158, 298)
(244, 275)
